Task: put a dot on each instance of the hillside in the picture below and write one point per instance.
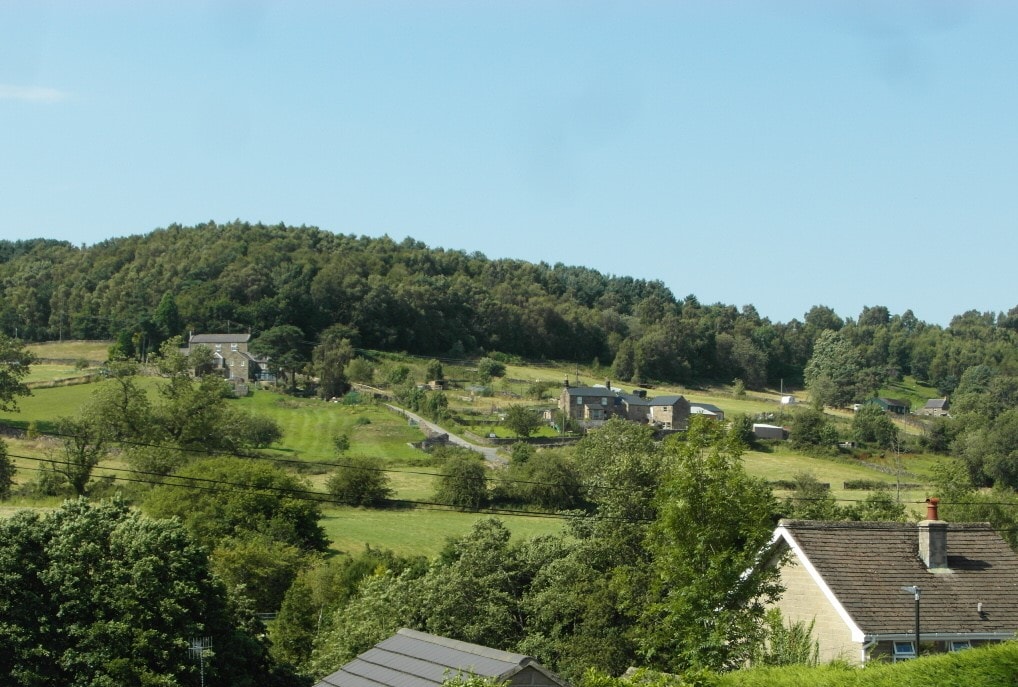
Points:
(408, 297)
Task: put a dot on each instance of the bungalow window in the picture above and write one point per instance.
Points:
(579, 400)
(604, 401)
(903, 651)
(959, 645)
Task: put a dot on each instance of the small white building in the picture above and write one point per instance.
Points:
(762, 431)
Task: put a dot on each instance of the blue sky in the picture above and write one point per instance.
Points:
(780, 154)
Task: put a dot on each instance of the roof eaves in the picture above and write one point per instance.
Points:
(784, 533)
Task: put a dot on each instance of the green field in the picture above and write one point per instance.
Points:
(94, 352)
(309, 426)
(416, 532)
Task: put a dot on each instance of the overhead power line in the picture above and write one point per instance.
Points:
(218, 485)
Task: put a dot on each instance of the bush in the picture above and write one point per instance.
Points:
(361, 482)
(464, 483)
(488, 368)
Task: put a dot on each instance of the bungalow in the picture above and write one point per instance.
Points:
(857, 581)
(418, 659)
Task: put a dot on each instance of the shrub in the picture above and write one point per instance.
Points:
(463, 484)
(361, 482)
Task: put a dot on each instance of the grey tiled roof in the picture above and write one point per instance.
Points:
(866, 565)
(219, 338)
(591, 391)
(666, 400)
(418, 659)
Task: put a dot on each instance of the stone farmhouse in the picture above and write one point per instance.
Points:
(230, 356)
(591, 406)
(857, 582)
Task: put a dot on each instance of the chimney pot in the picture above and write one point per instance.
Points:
(931, 508)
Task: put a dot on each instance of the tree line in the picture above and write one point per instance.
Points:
(405, 296)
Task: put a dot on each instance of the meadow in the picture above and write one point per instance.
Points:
(310, 426)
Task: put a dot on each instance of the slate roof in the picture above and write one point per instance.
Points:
(666, 400)
(591, 391)
(219, 338)
(634, 400)
(418, 659)
(709, 407)
(866, 564)
(936, 404)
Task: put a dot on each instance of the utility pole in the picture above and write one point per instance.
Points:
(199, 646)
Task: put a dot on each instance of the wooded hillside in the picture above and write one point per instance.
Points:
(407, 296)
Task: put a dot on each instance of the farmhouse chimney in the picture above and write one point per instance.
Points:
(933, 538)
(567, 382)
(608, 384)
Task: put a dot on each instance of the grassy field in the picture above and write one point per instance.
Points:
(94, 352)
(415, 532)
(309, 426)
(44, 406)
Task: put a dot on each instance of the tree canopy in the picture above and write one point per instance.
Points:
(98, 594)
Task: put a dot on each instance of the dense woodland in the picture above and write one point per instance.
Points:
(408, 297)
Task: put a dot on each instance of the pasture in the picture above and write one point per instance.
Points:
(310, 426)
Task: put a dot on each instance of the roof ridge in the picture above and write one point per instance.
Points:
(466, 647)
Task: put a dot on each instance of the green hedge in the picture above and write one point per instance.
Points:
(990, 666)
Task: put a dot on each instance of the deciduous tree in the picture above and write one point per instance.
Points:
(15, 361)
(102, 595)
(362, 481)
(463, 483)
(521, 420)
(707, 591)
(832, 373)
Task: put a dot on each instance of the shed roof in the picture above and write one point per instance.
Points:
(865, 565)
(883, 400)
(418, 659)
